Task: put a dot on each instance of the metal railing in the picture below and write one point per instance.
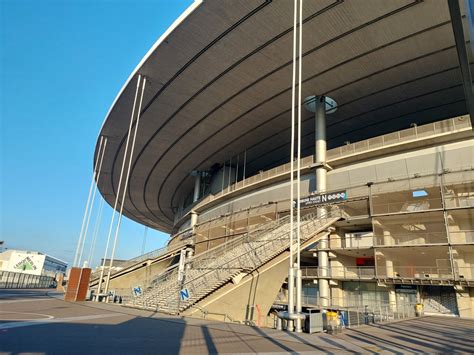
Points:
(361, 312)
(430, 130)
(407, 272)
(350, 242)
(20, 280)
(216, 266)
(464, 273)
(340, 272)
(425, 204)
(415, 272)
(407, 239)
(418, 238)
(426, 131)
(461, 237)
(221, 249)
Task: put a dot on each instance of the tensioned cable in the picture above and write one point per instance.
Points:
(292, 159)
(87, 205)
(119, 185)
(245, 163)
(144, 240)
(127, 176)
(96, 232)
(298, 168)
(98, 171)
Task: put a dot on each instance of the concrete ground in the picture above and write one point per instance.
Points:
(38, 321)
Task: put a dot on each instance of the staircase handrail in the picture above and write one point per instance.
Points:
(312, 217)
(222, 248)
(308, 218)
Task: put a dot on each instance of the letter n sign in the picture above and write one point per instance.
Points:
(184, 294)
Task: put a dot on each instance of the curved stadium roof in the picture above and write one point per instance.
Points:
(219, 82)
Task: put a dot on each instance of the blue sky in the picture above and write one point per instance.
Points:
(62, 64)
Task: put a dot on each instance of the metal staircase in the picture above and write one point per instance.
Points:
(208, 271)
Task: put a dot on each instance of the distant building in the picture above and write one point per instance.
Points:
(31, 262)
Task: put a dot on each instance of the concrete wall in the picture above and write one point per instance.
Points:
(122, 284)
(465, 300)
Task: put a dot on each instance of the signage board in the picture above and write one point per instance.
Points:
(26, 263)
(405, 289)
(323, 199)
(184, 294)
(137, 291)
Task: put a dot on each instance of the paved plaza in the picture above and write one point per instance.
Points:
(38, 321)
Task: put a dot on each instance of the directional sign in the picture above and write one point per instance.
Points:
(137, 291)
(322, 199)
(184, 294)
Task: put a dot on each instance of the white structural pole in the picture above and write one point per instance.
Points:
(197, 186)
(237, 169)
(291, 277)
(230, 173)
(127, 176)
(245, 163)
(298, 174)
(98, 171)
(197, 189)
(320, 154)
(96, 232)
(109, 235)
(144, 239)
(79, 241)
(223, 178)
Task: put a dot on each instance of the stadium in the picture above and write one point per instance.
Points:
(198, 144)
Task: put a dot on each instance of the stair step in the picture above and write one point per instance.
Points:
(251, 257)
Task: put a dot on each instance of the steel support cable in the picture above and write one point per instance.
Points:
(124, 194)
(98, 171)
(87, 206)
(292, 158)
(99, 286)
(98, 221)
(298, 170)
(144, 239)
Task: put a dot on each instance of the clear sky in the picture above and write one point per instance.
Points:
(62, 64)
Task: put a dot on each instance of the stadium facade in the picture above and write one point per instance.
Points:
(197, 144)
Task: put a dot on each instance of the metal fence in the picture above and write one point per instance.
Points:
(356, 316)
(359, 312)
(20, 280)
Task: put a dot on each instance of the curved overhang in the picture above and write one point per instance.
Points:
(219, 83)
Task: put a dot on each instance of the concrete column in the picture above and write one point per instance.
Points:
(189, 255)
(298, 299)
(320, 143)
(320, 161)
(291, 301)
(389, 267)
(194, 218)
(392, 299)
(197, 186)
(323, 265)
(387, 238)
